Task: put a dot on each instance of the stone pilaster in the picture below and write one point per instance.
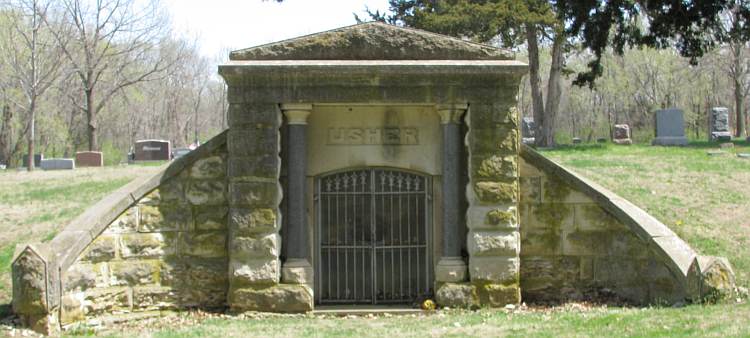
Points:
(493, 240)
(451, 268)
(297, 268)
(254, 197)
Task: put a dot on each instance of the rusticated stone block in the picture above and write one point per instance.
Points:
(253, 142)
(206, 192)
(208, 168)
(164, 218)
(496, 192)
(257, 271)
(531, 189)
(132, 273)
(154, 298)
(493, 114)
(256, 194)
(266, 246)
(278, 298)
(173, 190)
(127, 222)
(499, 295)
(502, 139)
(262, 166)
(103, 301)
(457, 295)
(494, 167)
(493, 243)
(502, 270)
(248, 221)
(210, 244)
(81, 277)
(491, 217)
(101, 249)
(210, 218)
(148, 245)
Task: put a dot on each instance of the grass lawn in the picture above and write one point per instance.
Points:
(705, 199)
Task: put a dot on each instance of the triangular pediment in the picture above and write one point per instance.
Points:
(373, 41)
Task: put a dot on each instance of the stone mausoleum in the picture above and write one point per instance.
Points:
(367, 165)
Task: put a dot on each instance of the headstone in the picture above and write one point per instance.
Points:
(37, 160)
(719, 125)
(622, 134)
(743, 155)
(576, 140)
(528, 128)
(89, 159)
(152, 150)
(601, 140)
(58, 164)
(670, 128)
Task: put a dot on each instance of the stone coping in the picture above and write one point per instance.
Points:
(678, 255)
(65, 248)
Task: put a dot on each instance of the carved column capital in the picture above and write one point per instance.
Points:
(451, 113)
(296, 113)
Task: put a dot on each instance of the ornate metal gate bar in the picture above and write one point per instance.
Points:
(373, 237)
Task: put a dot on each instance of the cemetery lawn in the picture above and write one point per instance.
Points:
(705, 199)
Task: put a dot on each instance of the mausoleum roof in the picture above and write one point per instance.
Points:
(372, 41)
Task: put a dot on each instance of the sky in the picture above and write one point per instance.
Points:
(223, 25)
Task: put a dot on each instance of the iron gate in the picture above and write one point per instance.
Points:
(373, 230)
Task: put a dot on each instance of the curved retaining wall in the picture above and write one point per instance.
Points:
(157, 243)
(582, 241)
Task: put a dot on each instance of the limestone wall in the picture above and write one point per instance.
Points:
(156, 244)
(581, 241)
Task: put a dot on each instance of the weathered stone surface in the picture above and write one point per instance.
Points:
(132, 273)
(481, 217)
(278, 298)
(29, 284)
(451, 270)
(72, 308)
(252, 113)
(490, 141)
(125, 223)
(256, 194)
(173, 190)
(456, 295)
(495, 167)
(258, 271)
(101, 249)
(154, 298)
(496, 192)
(503, 270)
(164, 218)
(717, 278)
(266, 246)
(541, 241)
(557, 191)
(372, 41)
(206, 192)
(81, 277)
(493, 243)
(211, 244)
(262, 166)
(147, 245)
(259, 141)
(531, 189)
(208, 168)
(593, 217)
(251, 221)
(210, 218)
(499, 295)
(102, 301)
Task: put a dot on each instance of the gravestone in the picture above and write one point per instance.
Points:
(89, 159)
(576, 140)
(37, 160)
(58, 164)
(601, 140)
(670, 128)
(622, 134)
(528, 128)
(719, 125)
(152, 150)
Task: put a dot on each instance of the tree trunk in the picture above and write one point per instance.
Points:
(32, 127)
(535, 81)
(5, 136)
(91, 119)
(554, 92)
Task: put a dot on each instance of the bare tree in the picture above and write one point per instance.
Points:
(737, 66)
(32, 58)
(114, 44)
